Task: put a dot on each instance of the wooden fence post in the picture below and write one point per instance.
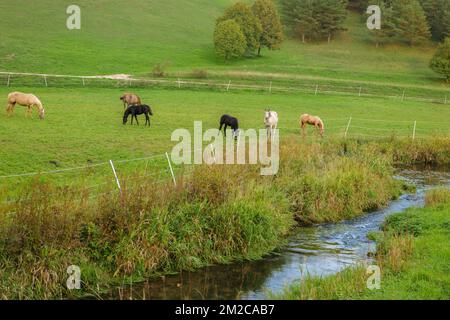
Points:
(171, 169)
(9, 80)
(348, 127)
(115, 175)
(414, 131)
(317, 89)
(229, 84)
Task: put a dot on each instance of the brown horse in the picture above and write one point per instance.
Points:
(27, 100)
(307, 119)
(130, 99)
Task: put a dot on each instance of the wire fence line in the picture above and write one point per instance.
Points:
(10, 79)
(413, 127)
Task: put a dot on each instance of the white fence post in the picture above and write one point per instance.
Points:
(179, 83)
(171, 169)
(229, 84)
(414, 131)
(9, 80)
(45, 80)
(270, 88)
(403, 96)
(360, 90)
(445, 101)
(348, 127)
(317, 89)
(82, 78)
(115, 175)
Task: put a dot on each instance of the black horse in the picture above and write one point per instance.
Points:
(137, 110)
(229, 121)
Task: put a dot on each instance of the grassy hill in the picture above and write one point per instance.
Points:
(132, 36)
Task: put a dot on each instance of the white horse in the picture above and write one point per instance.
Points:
(271, 122)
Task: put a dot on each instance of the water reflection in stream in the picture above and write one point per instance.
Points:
(317, 250)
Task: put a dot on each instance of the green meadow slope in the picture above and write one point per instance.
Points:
(132, 36)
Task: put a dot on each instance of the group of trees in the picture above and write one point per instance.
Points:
(243, 30)
(441, 60)
(315, 19)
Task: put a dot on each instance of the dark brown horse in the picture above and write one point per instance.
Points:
(135, 111)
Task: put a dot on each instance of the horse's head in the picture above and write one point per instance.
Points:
(42, 113)
(126, 115)
(268, 114)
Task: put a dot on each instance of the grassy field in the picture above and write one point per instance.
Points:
(413, 254)
(216, 214)
(84, 126)
(132, 36)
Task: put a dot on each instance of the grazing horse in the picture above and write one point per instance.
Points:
(307, 119)
(229, 121)
(135, 111)
(27, 100)
(271, 122)
(130, 99)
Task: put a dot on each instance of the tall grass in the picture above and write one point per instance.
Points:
(217, 214)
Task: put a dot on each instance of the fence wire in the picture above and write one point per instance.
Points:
(11, 79)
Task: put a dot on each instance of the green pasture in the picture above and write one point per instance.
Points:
(132, 36)
(83, 127)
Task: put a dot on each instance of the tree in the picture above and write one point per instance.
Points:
(299, 14)
(388, 29)
(438, 17)
(250, 26)
(358, 5)
(440, 63)
(411, 21)
(272, 29)
(331, 15)
(229, 40)
(316, 18)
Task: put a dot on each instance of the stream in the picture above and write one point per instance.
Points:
(318, 250)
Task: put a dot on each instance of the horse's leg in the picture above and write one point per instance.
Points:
(137, 121)
(147, 120)
(10, 108)
(225, 129)
(29, 112)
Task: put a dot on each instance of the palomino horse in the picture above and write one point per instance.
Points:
(271, 122)
(307, 119)
(130, 99)
(26, 100)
